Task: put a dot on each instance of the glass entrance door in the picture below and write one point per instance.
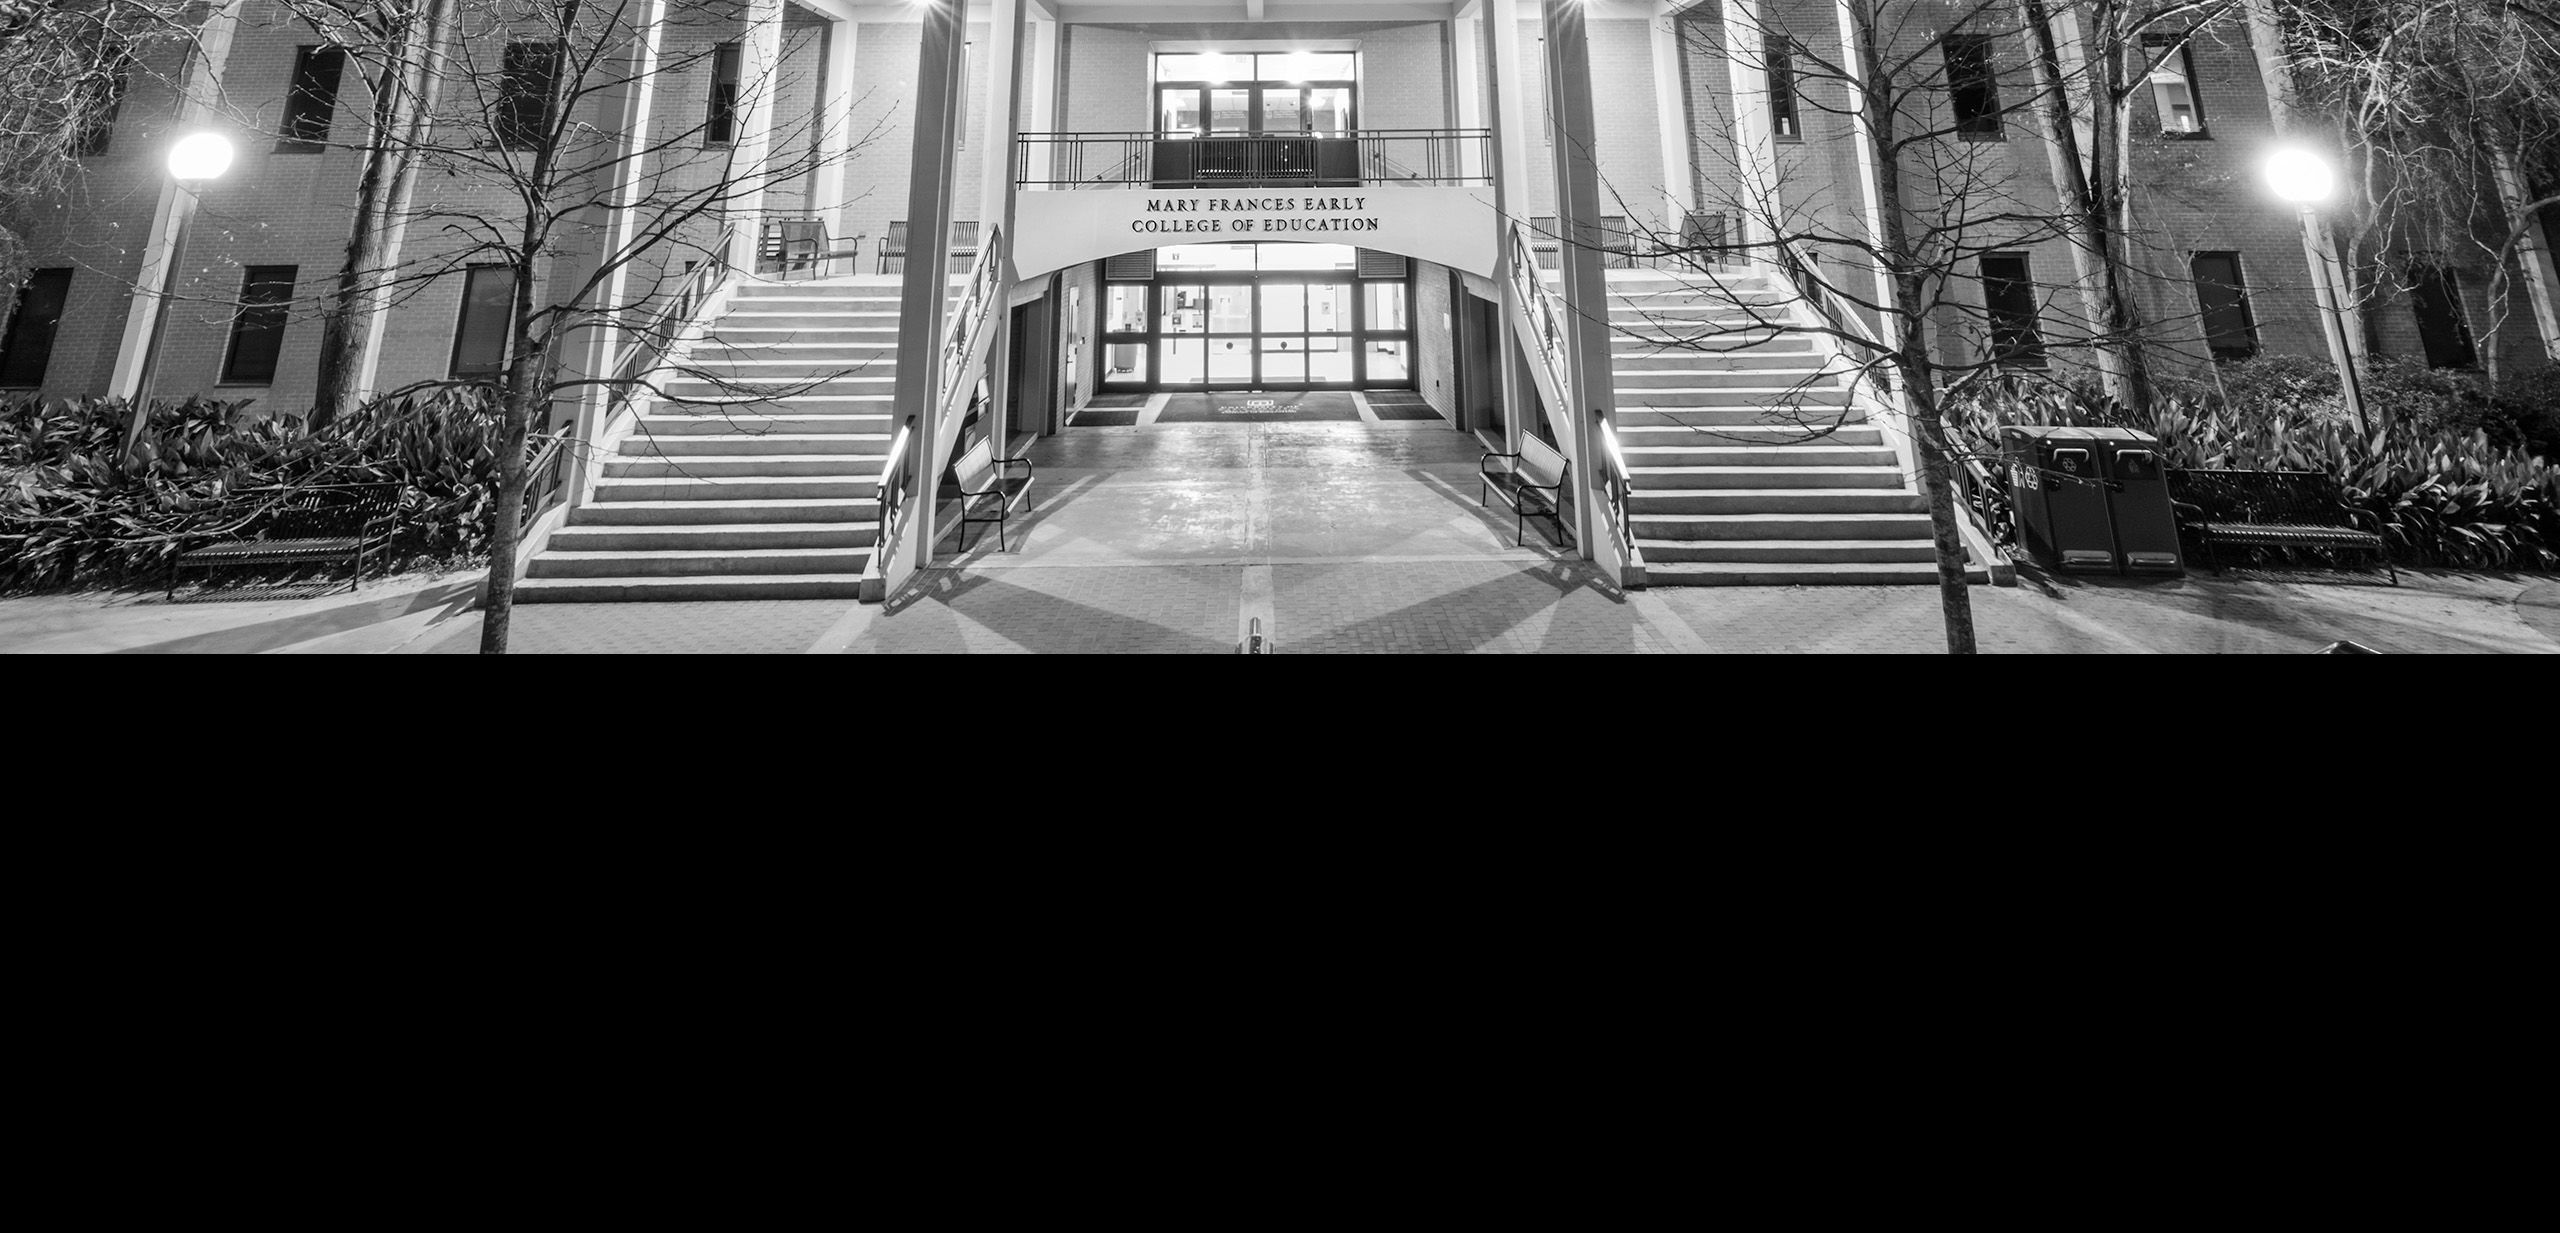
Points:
(1259, 316)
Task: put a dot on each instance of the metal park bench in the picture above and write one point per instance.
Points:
(987, 492)
(2272, 509)
(316, 525)
(1520, 487)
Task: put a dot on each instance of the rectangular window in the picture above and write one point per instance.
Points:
(257, 329)
(2173, 91)
(2009, 302)
(960, 131)
(311, 101)
(721, 127)
(2441, 327)
(101, 99)
(2222, 306)
(1973, 85)
(488, 304)
(28, 345)
(1780, 54)
(524, 94)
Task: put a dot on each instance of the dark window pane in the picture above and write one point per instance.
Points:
(524, 94)
(2009, 299)
(488, 303)
(2441, 328)
(721, 127)
(28, 346)
(2223, 305)
(257, 330)
(311, 101)
(1782, 86)
(101, 98)
(1973, 86)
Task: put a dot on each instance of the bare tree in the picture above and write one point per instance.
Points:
(67, 67)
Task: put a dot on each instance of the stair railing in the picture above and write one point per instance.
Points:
(896, 486)
(645, 350)
(1621, 491)
(965, 342)
(1546, 311)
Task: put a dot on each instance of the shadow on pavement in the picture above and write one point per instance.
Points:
(453, 598)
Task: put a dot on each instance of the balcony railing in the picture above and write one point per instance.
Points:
(1436, 158)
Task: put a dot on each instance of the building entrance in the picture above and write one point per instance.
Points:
(1275, 316)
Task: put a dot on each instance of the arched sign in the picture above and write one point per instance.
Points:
(1455, 227)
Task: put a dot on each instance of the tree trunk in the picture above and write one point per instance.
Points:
(2123, 368)
(1911, 351)
(403, 107)
(2541, 282)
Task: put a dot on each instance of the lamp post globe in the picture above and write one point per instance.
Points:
(198, 157)
(2300, 177)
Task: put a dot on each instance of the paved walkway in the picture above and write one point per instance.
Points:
(1336, 538)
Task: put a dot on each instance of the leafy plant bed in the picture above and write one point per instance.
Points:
(76, 512)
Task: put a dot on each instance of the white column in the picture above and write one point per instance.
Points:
(1755, 150)
(1870, 189)
(200, 85)
(1511, 202)
(1043, 112)
(924, 298)
(1670, 94)
(1466, 69)
(1590, 386)
(630, 111)
(835, 128)
(996, 196)
(759, 79)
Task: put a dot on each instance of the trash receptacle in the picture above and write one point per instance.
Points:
(2061, 498)
(2138, 502)
(2092, 500)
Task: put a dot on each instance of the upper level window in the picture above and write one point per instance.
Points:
(2009, 301)
(2222, 301)
(721, 126)
(488, 305)
(27, 347)
(1973, 85)
(1214, 94)
(2173, 89)
(1780, 55)
(2442, 329)
(524, 95)
(311, 101)
(257, 330)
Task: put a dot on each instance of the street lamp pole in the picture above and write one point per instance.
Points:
(2304, 179)
(194, 160)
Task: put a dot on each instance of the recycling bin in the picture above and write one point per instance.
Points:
(2092, 500)
(2138, 502)
(2061, 498)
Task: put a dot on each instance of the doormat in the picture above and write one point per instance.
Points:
(1399, 410)
(1289, 406)
(1117, 402)
(1090, 418)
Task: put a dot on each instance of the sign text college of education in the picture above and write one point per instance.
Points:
(1056, 229)
(1287, 217)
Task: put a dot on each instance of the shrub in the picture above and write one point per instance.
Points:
(74, 510)
(2445, 497)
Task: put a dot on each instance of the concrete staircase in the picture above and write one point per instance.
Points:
(1715, 406)
(761, 497)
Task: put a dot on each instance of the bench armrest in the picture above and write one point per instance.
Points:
(1024, 463)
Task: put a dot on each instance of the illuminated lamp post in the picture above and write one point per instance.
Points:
(2305, 180)
(195, 160)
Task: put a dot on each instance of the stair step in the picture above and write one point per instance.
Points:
(699, 563)
(1704, 488)
(1783, 551)
(1799, 525)
(723, 513)
(761, 466)
(1694, 377)
(1732, 396)
(609, 491)
(735, 586)
(715, 538)
(732, 444)
(1783, 574)
(755, 423)
(1647, 461)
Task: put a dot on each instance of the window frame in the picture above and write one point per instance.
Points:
(1991, 122)
(268, 317)
(462, 321)
(1778, 67)
(2032, 353)
(304, 108)
(2181, 57)
(12, 337)
(720, 118)
(2239, 287)
(507, 118)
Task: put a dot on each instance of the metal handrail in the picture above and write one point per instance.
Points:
(976, 308)
(649, 345)
(1621, 490)
(545, 480)
(897, 476)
